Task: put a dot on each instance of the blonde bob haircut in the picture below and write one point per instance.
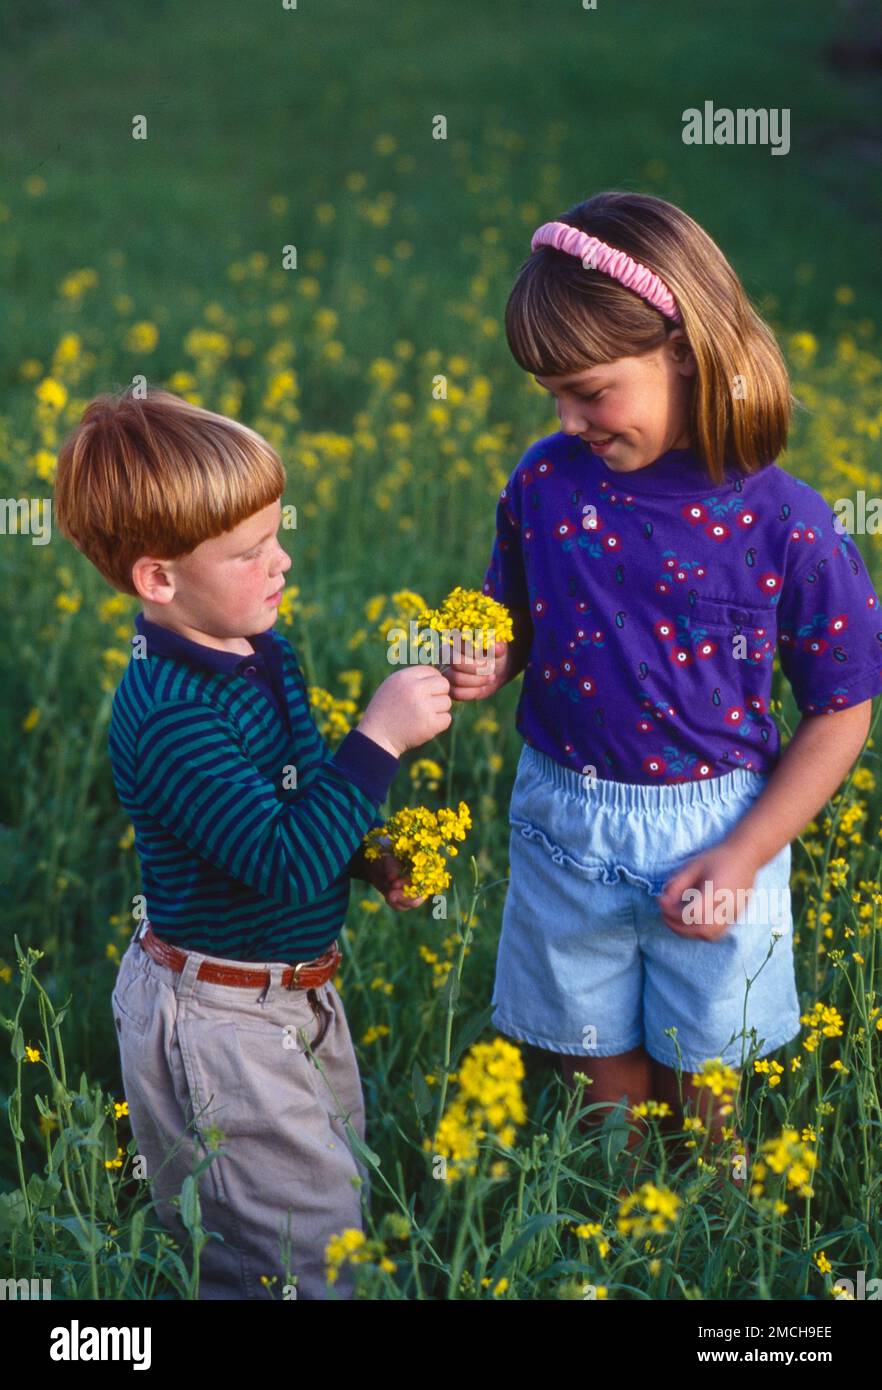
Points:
(561, 319)
(155, 475)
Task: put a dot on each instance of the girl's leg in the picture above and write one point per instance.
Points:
(628, 1074)
(704, 1103)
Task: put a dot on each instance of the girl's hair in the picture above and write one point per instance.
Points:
(561, 318)
(155, 475)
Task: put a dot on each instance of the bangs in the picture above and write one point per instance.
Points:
(561, 318)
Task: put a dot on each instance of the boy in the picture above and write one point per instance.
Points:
(248, 831)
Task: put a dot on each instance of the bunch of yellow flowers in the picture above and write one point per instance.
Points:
(473, 614)
(489, 1101)
(334, 716)
(393, 610)
(419, 839)
(655, 1208)
(824, 1021)
(790, 1154)
(719, 1078)
(353, 1246)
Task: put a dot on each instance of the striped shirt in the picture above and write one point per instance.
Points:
(247, 827)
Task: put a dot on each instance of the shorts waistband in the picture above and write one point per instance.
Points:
(629, 796)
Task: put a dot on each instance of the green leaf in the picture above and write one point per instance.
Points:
(59, 1150)
(35, 1189)
(613, 1135)
(359, 1147)
(191, 1209)
(86, 1234)
(52, 1188)
(110, 1140)
(422, 1096)
(13, 1212)
(449, 991)
(528, 1232)
(136, 1232)
(471, 1031)
(43, 1191)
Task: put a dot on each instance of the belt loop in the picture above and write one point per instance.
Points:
(187, 977)
(273, 984)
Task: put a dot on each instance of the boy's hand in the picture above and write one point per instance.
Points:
(409, 708)
(387, 876)
(725, 871)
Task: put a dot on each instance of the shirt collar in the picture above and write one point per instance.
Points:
(677, 472)
(162, 641)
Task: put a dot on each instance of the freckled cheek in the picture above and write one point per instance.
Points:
(247, 587)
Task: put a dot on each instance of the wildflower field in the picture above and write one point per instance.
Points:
(387, 388)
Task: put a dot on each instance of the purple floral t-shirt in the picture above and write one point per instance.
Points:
(658, 600)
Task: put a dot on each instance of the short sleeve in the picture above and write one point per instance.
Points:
(830, 626)
(505, 579)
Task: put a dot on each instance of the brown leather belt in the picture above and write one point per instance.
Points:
(306, 974)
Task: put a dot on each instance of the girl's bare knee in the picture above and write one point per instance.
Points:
(625, 1075)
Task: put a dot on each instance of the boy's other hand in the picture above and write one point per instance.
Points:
(410, 707)
(387, 876)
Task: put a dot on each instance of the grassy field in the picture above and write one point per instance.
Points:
(313, 127)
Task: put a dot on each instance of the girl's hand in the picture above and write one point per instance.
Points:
(477, 680)
(718, 874)
(388, 877)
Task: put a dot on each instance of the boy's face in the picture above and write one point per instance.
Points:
(225, 589)
(642, 402)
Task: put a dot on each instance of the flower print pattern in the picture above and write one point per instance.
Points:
(585, 637)
(626, 501)
(710, 516)
(606, 570)
(592, 536)
(655, 710)
(677, 570)
(770, 583)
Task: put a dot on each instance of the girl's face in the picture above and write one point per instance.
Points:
(641, 404)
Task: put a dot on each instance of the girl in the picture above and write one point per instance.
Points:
(654, 557)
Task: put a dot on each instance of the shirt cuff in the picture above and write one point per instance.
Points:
(864, 687)
(365, 763)
(356, 867)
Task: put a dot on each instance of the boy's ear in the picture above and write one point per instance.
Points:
(155, 579)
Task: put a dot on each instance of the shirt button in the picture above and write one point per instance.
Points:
(249, 670)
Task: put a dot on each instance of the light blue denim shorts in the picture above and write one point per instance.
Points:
(587, 965)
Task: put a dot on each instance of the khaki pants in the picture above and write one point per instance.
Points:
(200, 1060)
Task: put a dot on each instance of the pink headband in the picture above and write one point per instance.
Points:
(597, 255)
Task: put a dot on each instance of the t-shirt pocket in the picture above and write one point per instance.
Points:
(728, 627)
(729, 617)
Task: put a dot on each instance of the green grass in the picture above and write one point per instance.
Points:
(545, 105)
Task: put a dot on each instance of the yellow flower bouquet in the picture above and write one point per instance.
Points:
(470, 615)
(421, 840)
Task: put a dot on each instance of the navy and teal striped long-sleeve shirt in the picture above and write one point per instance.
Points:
(246, 824)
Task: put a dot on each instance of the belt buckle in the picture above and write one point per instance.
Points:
(295, 972)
